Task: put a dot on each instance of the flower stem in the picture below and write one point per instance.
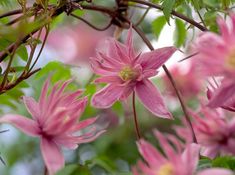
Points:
(135, 117)
(142, 35)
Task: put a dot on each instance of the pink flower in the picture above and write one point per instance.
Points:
(189, 83)
(125, 72)
(214, 132)
(217, 58)
(175, 162)
(55, 122)
(75, 44)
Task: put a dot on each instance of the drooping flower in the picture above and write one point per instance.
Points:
(55, 120)
(214, 132)
(124, 71)
(175, 162)
(216, 57)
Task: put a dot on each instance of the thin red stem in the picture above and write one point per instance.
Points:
(135, 117)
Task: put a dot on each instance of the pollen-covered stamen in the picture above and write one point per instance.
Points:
(128, 73)
(230, 61)
(166, 169)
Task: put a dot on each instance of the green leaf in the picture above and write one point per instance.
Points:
(212, 3)
(210, 20)
(74, 170)
(22, 52)
(196, 4)
(224, 162)
(58, 70)
(179, 33)
(204, 163)
(157, 25)
(167, 6)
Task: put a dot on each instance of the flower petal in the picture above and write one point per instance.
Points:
(215, 171)
(108, 79)
(190, 157)
(129, 44)
(52, 156)
(107, 96)
(156, 58)
(152, 99)
(222, 95)
(32, 106)
(26, 125)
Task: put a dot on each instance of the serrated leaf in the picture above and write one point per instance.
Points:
(157, 25)
(179, 33)
(168, 6)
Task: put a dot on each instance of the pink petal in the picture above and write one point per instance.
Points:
(26, 125)
(150, 154)
(52, 156)
(152, 99)
(191, 156)
(32, 106)
(117, 50)
(129, 43)
(156, 58)
(222, 95)
(43, 96)
(109, 79)
(224, 30)
(107, 96)
(215, 171)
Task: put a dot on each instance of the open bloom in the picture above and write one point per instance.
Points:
(176, 162)
(125, 72)
(216, 57)
(55, 122)
(214, 132)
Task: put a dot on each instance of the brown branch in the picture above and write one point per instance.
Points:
(179, 15)
(11, 13)
(91, 25)
(19, 80)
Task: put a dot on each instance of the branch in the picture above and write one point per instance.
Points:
(179, 15)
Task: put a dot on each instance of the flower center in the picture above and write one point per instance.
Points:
(127, 73)
(166, 169)
(230, 61)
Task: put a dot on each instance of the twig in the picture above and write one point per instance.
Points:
(179, 15)
(91, 25)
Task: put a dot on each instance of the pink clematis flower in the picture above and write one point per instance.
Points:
(214, 132)
(55, 122)
(125, 72)
(176, 162)
(217, 58)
